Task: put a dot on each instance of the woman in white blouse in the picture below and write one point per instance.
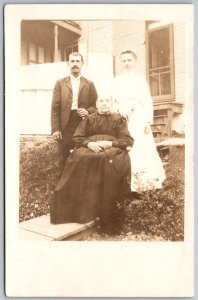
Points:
(133, 100)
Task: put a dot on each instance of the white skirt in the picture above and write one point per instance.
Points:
(147, 171)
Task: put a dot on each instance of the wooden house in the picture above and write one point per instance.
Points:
(160, 47)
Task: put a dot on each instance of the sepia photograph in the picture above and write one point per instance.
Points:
(100, 150)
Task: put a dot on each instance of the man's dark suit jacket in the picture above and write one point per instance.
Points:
(62, 101)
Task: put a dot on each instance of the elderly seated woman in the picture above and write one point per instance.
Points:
(96, 171)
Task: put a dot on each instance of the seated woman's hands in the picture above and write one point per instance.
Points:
(99, 146)
(105, 144)
(95, 147)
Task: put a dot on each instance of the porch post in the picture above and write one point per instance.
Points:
(55, 43)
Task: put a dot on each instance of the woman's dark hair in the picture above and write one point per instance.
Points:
(129, 51)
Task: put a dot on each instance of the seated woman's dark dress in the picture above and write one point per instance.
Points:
(91, 183)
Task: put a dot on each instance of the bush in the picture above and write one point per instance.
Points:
(38, 178)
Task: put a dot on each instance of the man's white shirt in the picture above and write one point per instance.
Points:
(75, 82)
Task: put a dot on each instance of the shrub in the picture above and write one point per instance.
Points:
(38, 178)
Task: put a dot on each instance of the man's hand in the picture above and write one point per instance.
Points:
(124, 116)
(57, 136)
(82, 112)
(95, 147)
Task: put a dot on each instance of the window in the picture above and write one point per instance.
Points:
(32, 54)
(64, 52)
(44, 41)
(41, 55)
(37, 54)
(160, 67)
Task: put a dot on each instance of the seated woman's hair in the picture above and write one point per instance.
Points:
(104, 95)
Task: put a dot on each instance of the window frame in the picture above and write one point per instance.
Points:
(36, 62)
(171, 96)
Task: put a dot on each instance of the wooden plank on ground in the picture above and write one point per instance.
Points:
(29, 235)
(42, 226)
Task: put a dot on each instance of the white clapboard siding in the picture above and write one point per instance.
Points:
(36, 85)
(85, 26)
(101, 71)
(130, 34)
(102, 37)
(98, 35)
(36, 108)
(42, 76)
(112, 36)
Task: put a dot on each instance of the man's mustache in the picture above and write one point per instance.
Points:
(75, 67)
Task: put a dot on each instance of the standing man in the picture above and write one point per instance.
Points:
(74, 97)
